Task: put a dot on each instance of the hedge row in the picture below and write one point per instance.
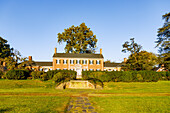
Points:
(51, 73)
(56, 75)
(64, 76)
(17, 74)
(1, 74)
(127, 76)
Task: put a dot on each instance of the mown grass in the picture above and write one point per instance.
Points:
(33, 104)
(131, 104)
(37, 86)
(35, 96)
(137, 87)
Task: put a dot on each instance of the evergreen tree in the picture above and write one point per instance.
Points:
(163, 41)
(12, 58)
(79, 39)
(5, 49)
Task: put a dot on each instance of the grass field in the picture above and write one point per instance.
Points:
(131, 104)
(33, 104)
(34, 96)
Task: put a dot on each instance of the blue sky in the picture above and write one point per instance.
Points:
(31, 26)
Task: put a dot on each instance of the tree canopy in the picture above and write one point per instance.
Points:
(5, 49)
(163, 41)
(131, 47)
(12, 58)
(138, 60)
(141, 61)
(79, 39)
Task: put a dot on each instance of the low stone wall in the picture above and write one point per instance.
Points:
(80, 84)
(76, 84)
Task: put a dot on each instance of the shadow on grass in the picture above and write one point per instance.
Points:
(3, 110)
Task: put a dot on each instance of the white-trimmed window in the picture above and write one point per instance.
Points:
(84, 61)
(64, 61)
(71, 61)
(97, 62)
(65, 69)
(84, 69)
(109, 69)
(97, 69)
(91, 69)
(58, 61)
(91, 61)
(77, 61)
(58, 69)
(72, 69)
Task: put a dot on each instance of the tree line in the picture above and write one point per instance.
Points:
(142, 60)
(80, 39)
(11, 58)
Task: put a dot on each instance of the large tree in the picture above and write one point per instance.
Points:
(5, 49)
(132, 47)
(79, 39)
(163, 41)
(141, 61)
(12, 58)
(138, 60)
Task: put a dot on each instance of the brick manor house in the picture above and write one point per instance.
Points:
(77, 62)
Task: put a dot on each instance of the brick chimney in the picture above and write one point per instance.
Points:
(125, 59)
(30, 58)
(100, 50)
(55, 50)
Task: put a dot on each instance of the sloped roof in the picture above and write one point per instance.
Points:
(75, 55)
(43, 63)
(113, 64)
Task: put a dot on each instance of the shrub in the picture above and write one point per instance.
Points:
(63, 76)
(36, 74)
(162, 75)
(168, 75)
(17, 74)
(51, 73)
(39, 75)
(1, 74)
(139, 77)
(125, 76)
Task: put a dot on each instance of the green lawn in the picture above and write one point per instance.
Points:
(34, 96)
(137, 87)
(36, 86)
(131, 104)
(33, 104)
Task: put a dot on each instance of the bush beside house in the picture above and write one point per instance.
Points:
(127, 76)
(17, 74)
